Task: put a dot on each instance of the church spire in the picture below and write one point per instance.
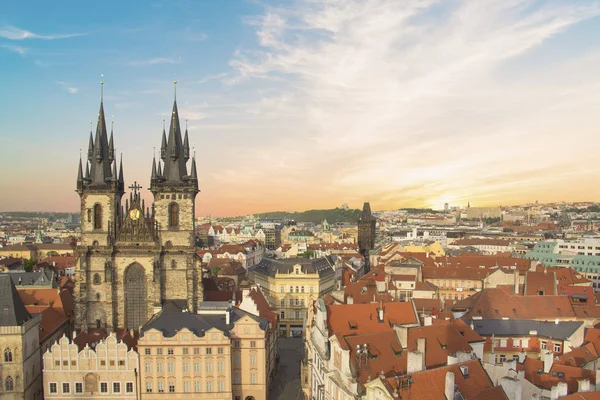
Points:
(121, 182)
(186, 144)
(91, 145)
(111, 145)
(100, 168)
(193, 169)
(154, 173)
(175, 169)
(80, 175)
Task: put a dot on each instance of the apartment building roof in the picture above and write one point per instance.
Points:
(580, 356)
(481, 242)
(355, 319)
(540, 282)
(171, 320)
(270, 267)
(12, 309)
(511, 327)
(365, 291)
(466, 273)
(497, 303)
(36, 278)
(534, 373)
(470, 380)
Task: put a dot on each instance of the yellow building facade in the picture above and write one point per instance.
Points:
(290, 285)
(219, 353)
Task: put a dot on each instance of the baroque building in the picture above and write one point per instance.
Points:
(133, 259)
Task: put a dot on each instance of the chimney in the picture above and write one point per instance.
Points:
(554, 393)
(74, 335)
(132, 333)
(583, 385)
(415, 362)
(402, 333)
(427, 320)
(449, 385)
(516, 281)
(522, 356)
(563, 389)
(349, 299)
(421, 345)
(227, 316)
(548, 358)
(380, 314)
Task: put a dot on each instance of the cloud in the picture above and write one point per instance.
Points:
(16, 49)
(387, 95)
(13, 33)
(212, 77)
(70, 89)
(153, 61)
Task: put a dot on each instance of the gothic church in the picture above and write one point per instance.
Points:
(133, 259)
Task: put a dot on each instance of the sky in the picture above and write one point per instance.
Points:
(301, 104)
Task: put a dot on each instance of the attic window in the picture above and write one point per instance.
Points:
(353, 324)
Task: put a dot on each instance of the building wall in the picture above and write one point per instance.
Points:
(291, 294)
(107, 371)
(24, 369)
(212, 366)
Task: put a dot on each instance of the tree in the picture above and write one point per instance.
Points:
(28, 265)
(308, 254)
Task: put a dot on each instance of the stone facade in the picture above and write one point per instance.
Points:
(20, 372)
(132, 260)
(108, 371)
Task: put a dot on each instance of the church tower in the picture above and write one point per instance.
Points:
(174, 190)
(134, 259)
(366, 233)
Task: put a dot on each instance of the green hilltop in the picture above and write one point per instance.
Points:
(332, 216)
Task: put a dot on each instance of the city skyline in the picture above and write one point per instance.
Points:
(301, 104)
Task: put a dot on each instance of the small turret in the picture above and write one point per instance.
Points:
(111, 145)
(186, 145)
(154, 173)
(80, 176)
(193, 170)
(163, 146)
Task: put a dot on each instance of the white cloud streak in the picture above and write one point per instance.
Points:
(16, 49)
(14, 33)
(401, 94)
(153, 61)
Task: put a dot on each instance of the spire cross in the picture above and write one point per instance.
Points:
(101, 88)
(135, 187)
(175, 90)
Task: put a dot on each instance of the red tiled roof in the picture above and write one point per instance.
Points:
(580, 356)
(481, 242)
(536, 282)
(365, 292)
(430, 384)
(366, 317)
(264, 309)
(455, 273)
(495, 303)
(546, 380)
(95, 335)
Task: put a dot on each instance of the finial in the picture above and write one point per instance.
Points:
(175, 90)
(101, 88)
(91, 126)
(163, 124)
(194, 150)
(186, 121)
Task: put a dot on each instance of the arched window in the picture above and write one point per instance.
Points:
(173, 214)
(8, 356)
(297, 291)
(97, 216)
(302, 289)
(8, 384)
(97, 279)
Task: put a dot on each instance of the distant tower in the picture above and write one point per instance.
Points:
(366, 233)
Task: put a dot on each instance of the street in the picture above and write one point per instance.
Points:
(286, 385)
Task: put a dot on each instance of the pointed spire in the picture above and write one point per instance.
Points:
(175, 163)
(87, 171)
(114, 173)
(100, 164)
(193, 171)
(111, 144)
(91, 145)
(159, 169)
(153, 176)
(79, 173)
(121, 181)
(186, 144)
(163, 146)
